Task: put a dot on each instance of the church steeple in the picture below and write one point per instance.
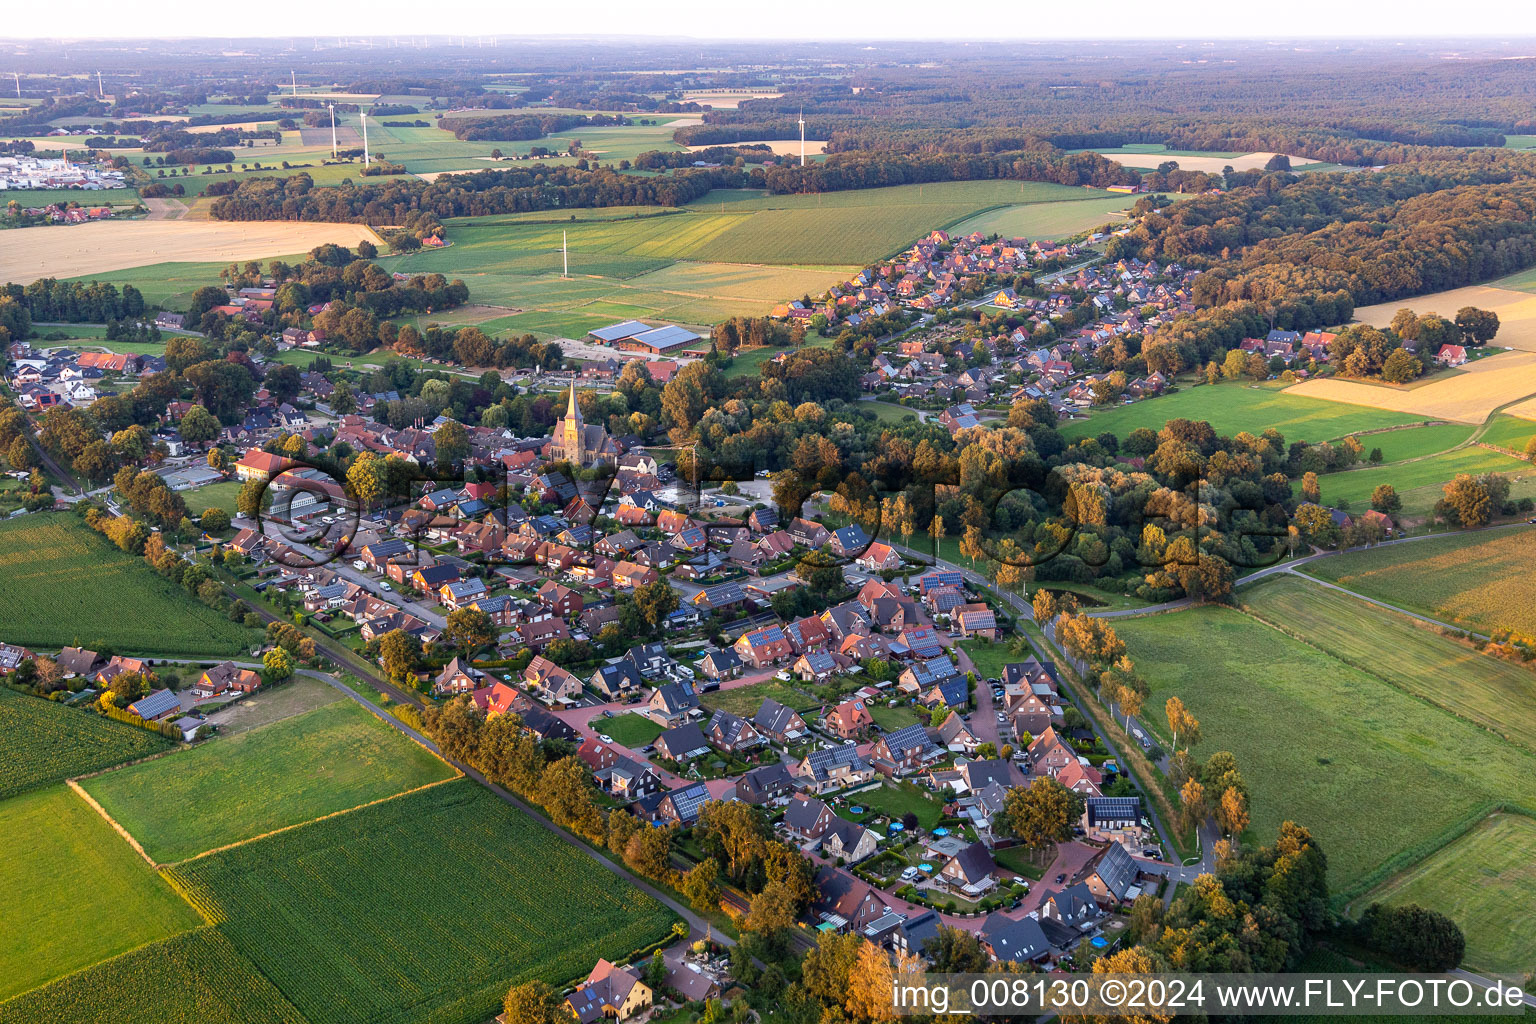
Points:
(574, 434)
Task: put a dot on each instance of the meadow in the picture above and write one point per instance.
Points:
(1512, 432)
(1483, 581)
(75, 893)
(1233, 407)
(48, 742)
(1421, 484)
(326, 760)
(745, 700)
(193, 978)
(1417, 441)
(1484, 882)
(422, 909)
(220, 495)
(1498, 695)
(1379, 776)
(629, 729)
(170, 284)
(62, 584)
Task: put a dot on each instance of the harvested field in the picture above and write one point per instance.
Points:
(1208, 164)
(780, 147)
(727, 100)
(31, 253)
(1468, 397)
(1516, 309)
(346, 137)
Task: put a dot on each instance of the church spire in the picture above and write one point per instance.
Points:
(575, 436)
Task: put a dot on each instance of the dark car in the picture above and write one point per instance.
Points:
(1149, 854)
(1060, 879)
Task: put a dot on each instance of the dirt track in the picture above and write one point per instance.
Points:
(95, 248)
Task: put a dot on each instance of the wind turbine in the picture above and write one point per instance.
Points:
(18, 84)
(565, 253)
(333, 129)
(294, 78)
(802, 136)
(100, 91)
(364, 114)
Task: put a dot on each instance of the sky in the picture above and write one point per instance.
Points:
(803, 19)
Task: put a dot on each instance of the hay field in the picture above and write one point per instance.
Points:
(1208, 164)
(727, 99)
(80, 249)
(1516, 309)
(1468, 397)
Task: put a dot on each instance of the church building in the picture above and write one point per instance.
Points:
(585, 444)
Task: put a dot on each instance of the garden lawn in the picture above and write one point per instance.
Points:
(629, 729)
(1234, 407)
(235, 788)
(195, 976)
(1496, 694)
(1373, 772)
(1484, 580)
(1422, 483)
(47, 742)
(1483, 881)
(423, 910)
(896, 801)
(890, 719)
(61, 583)
(75, 893)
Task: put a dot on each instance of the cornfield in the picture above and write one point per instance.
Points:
(46, 742)
(192, 978)
(422, 909)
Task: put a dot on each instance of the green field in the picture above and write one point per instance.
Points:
(1042, 220)
(75, 893)
(194, 978)
(728, 253)
(1484, 881)
(61, 583)
(169, 284)
(1496, 694)
(296, 769)
(47, 196)
(1373, 772)
(888, 412)
(1512, 432)
(219, 495)
(1484, 580)
(1421, 484)
(629, 729)
(48, 742)
(423, 909)
(1416, 442)
(1233, 407)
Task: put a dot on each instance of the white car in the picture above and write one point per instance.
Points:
(386, 587)
(605, 737)
(360, 565)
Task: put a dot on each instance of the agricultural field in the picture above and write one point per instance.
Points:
(1232, 407)
(193, 977)
(299, 768)
(62, 584)
(274, 703)
(1485, 580)
(96, 248)
(1509, 297)
(1421, 483)
(321, 910)
(48, 742)
(1498, 695)
(1372, 771)
(1468, 397)
(1483, 881)
(47, 196)
(169, 284)
(75, 893)
(1147, 158)
(1046, 220)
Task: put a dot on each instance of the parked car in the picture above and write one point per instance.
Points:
(384, 586)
